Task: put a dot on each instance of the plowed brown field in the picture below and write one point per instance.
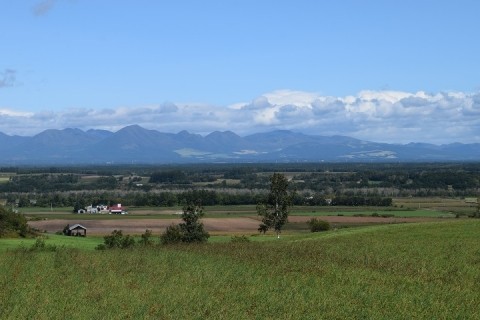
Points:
(213, 225)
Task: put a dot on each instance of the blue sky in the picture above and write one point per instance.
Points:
(392, 71)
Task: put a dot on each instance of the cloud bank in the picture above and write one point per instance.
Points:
(380, 116)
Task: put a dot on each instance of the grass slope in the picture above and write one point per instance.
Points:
(87, 243)
(421, 271)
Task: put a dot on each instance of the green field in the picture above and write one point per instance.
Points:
(362, 212)
(4, 179)
(404, 271)
(432, 208)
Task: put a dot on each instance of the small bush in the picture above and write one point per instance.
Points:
(317, 225)
(239, 239)
(118, 240)
(127, 242)
(66, 230)
(145, 239)
(41, 245)
(101, 246)
(173, 234)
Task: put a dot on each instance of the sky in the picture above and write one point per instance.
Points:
(384, 71)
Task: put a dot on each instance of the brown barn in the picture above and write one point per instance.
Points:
(77, 230)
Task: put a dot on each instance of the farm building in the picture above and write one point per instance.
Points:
(77, 230)
(101, 208)
(117, 209)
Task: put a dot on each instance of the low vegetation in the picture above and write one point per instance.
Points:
(13, 224)
(317, 225)
(117, 240)
(408, 271)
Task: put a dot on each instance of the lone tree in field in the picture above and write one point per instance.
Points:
(190, 230)
(274, 211)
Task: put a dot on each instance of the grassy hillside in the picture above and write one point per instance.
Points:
(428, 271)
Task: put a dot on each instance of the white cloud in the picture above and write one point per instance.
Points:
(383, 116)
(13, 113)
(388, 96)
(285, 97)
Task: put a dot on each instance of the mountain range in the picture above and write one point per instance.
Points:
(134, 144)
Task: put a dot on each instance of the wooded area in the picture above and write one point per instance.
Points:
(227, 184)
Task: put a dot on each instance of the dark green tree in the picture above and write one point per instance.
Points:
(117, 240)
(172, 235)
(66, 230)
(274, 211)
(191, 228)
(13, 224)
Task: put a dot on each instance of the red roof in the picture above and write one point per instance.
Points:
(115, 208)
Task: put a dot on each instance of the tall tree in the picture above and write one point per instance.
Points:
(274, 210)
(191, 228)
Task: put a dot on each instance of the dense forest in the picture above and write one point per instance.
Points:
(225, 184)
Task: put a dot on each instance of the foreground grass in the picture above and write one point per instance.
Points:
(87, 243)
(421, 271)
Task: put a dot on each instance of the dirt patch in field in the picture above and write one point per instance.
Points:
(138, 226)
(212, 225)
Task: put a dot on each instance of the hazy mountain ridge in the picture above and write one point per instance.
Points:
(134, 144)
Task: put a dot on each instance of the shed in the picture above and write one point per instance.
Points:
(77, 230)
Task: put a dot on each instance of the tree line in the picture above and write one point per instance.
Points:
(79, 200)
(457, 179)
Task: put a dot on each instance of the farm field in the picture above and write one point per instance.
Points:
(396, 271)
(402, 207)
(243, 219)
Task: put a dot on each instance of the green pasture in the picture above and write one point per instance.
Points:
(406, 271)
(395, 213)
(5, 176)
(45, 210)
(240, 211)
(90, 242)
(4, 179)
